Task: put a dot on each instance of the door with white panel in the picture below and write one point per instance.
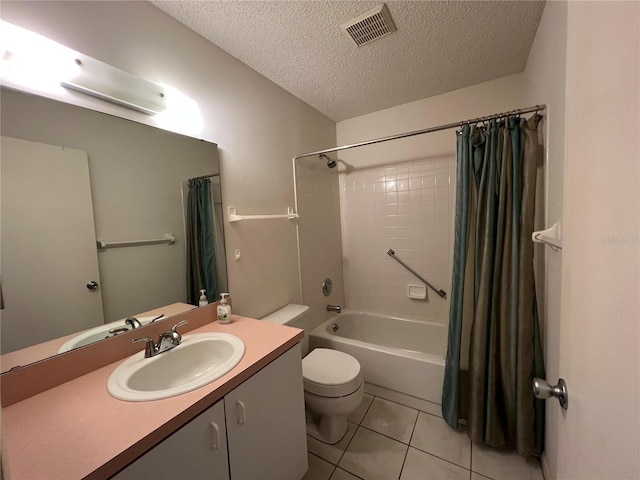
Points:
(599, 433)
(46, 207)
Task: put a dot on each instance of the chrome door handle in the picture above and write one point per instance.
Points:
(92, 285)
(543, 389)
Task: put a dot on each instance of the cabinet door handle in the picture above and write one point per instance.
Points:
(216, 436)
(241, 415)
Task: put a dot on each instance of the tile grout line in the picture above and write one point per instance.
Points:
(443, 459)
(409, 445)
(354, 433)
(385, 435)
(319, 457)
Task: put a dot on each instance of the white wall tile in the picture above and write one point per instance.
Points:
(410, 212)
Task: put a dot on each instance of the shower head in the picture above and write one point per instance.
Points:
(330, 161)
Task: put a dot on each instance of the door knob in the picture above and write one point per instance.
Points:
(542, 389)
(92, 285)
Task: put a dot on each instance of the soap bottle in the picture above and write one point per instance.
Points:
(224, 309)
(203, 299)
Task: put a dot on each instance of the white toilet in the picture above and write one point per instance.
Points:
(333, 383)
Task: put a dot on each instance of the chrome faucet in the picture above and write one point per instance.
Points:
(168, 340)
(334, 308)
(133, 322)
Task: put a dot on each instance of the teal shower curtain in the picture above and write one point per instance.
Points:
(201, 264)
(494, 348)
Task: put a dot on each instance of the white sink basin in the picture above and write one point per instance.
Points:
(97, 333)
(198, 360)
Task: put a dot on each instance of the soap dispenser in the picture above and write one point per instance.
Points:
(224, 309)
(203, 299)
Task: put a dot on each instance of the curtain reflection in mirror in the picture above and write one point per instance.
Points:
(205, 243)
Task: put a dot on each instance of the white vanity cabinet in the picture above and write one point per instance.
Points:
(196, 451)
(266, 429)
(257, 431)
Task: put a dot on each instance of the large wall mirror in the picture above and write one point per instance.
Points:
(72, 178)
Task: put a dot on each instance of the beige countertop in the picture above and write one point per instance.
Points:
(77, 430)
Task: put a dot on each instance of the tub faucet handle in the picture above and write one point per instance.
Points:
(334, 308)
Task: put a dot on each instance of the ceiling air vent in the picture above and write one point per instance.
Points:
(370, 25)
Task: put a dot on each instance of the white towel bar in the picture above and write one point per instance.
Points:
(234, 217)
(168, 238)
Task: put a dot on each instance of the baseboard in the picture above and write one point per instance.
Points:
(404, 399)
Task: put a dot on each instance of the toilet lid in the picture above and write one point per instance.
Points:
(330, 373)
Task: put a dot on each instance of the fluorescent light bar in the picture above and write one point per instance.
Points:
(103, 81)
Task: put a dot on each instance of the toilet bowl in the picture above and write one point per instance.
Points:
(333, 388)
(333, 383)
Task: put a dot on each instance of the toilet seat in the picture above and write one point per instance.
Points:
(330, 373)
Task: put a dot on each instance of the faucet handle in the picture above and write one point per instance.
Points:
(175, 336)
(149, 349)
(170, 338)
(179, 324)
(116, 331)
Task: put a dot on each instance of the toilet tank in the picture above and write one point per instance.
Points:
(290, 315)
(287, 315)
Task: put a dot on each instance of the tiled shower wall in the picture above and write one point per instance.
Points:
(407, 207)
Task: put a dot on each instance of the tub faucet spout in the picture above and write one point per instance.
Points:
(334, 308)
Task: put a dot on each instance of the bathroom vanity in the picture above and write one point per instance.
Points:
(249, 423)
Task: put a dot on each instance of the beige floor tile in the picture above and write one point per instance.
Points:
(331, 453)
(319, 469)
(434, 436)
(391, 419)
(501, 465)
(340, 474)
(477, 476)
(422, 466)
(357, 416)
(372, 456)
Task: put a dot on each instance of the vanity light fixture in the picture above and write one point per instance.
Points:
(36, 64)
(103, 81)
(31, 62)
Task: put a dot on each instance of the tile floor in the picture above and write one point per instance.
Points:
(389, 441)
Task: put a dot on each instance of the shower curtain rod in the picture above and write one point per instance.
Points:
(520, 111)
(203, 176)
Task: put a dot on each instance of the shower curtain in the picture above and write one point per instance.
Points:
(201, 262)
(494, 348)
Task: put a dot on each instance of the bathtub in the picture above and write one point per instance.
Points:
(402, 355)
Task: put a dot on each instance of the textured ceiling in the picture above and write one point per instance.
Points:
(439, 46)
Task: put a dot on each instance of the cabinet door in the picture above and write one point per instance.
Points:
(196, 451)
(266, 429)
